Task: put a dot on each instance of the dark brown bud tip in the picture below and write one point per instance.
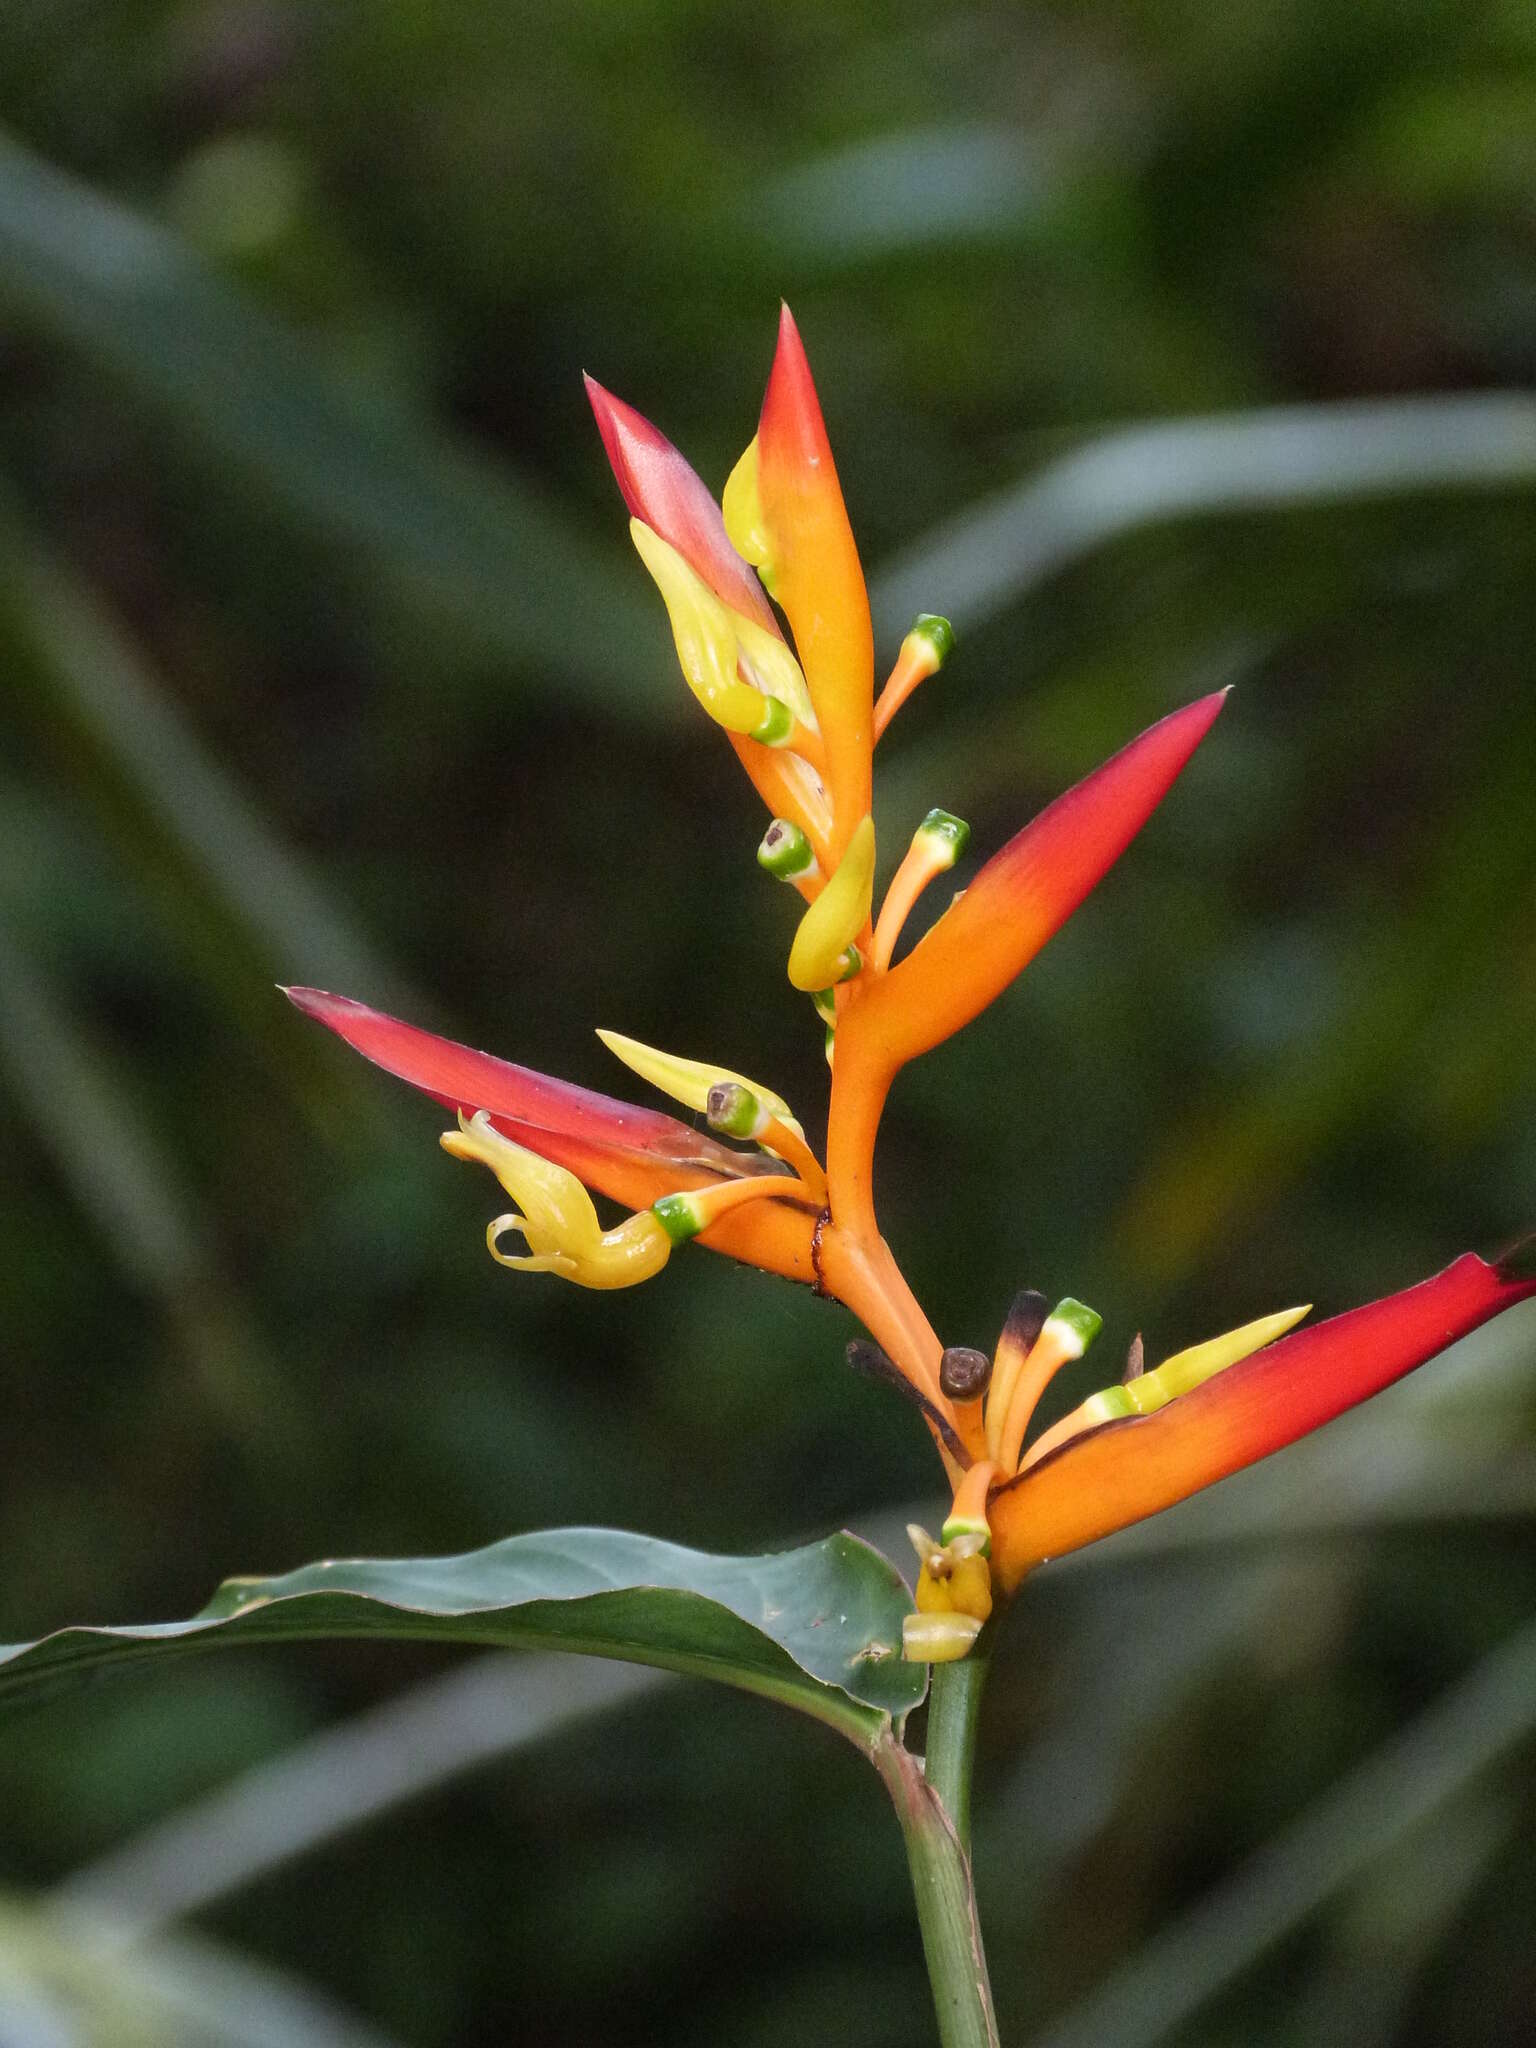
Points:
(1135, 1361)
(1026, 1319)
(964, 1373)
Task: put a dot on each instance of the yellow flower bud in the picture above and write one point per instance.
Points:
(707, 636)
(742, 506)
(688, 1081)
(832, 923)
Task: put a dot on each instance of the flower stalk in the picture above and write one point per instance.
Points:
(932, 1798)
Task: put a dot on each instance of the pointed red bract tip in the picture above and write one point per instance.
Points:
(794, 435)
(631, 1155)
(816, 574)
(1026, 892)
(1125, 1471)
(463, 1079)
(660, 487)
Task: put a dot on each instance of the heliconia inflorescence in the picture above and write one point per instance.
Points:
(800, 710)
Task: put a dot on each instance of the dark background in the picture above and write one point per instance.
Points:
(325, 658)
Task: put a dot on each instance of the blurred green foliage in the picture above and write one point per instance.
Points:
(322, 650)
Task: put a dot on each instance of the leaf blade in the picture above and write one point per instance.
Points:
(818, 1628)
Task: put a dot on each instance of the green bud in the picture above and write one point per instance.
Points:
(939, 634)
(678, 1216)
(786, 852)
(826, 1005)
(1077, 1325)
(945, 834)
(850, 962)
(734, 1110)
(776, 723)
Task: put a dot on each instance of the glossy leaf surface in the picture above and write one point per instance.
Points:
(817, 1628)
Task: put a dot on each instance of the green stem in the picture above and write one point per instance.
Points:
(954, 1700)
(932, 1806)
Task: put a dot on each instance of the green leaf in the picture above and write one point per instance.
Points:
(817, 1628)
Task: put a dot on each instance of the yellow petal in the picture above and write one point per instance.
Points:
(1180, 1374)
(1187, 1369)
(832, 923)
(742, 506)
(688, 1081)
(704, 631)
(557, 1217)
(769, 664)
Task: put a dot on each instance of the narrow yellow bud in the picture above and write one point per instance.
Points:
(555, 1216)
(688, 1081)
(832, 923)
(1186, 1369)
(742, 505)
(705, 632)
(770, 665)
(1180, 1374)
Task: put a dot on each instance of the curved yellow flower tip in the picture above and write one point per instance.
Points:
(689, 1081)
(706, 635)
(742, 506)
(556, 1217)
(1180, 1374)
(828, 929)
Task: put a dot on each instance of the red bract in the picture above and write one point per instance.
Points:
(634, 1156)
(660, 487)
(1123, 1471)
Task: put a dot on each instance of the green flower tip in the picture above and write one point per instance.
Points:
(850, 962)
(947, 835)
(939, 634)
(678, 1216)
(1077, 1325)
(785, 851)
(971, 1527)
(776, 723)
(733, 1110)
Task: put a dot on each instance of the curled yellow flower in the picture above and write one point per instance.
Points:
(555, 1216)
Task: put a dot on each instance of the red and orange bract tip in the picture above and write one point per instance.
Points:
(1026, 893)
(630, 1154)
(661, 487)
(816, 575)
(1020, 899)
(1124, 1471)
